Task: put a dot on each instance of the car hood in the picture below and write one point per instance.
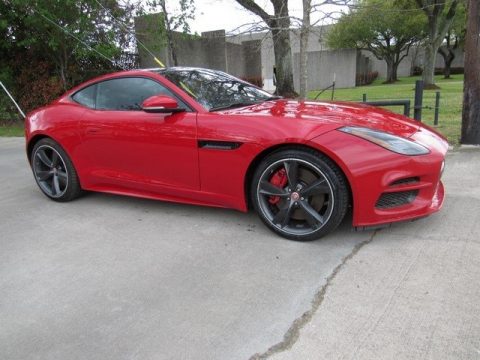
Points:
(333, 113)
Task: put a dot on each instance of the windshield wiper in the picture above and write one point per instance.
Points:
(231, 106)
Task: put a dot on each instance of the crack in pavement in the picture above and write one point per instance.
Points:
(293, 333)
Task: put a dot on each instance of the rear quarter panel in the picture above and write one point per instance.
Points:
(58, 121)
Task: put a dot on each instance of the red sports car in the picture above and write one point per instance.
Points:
(204, 137)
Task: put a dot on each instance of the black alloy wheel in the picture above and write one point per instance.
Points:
(54, 172)
(300, 194)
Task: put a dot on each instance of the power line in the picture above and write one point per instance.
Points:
(75, 37)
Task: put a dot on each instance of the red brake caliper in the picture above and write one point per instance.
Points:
(279, 179)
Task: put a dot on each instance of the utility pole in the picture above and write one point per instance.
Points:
(471, 91)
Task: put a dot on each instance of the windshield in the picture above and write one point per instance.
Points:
(215, 90)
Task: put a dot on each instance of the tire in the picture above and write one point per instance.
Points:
(54, 172)
(299, 194)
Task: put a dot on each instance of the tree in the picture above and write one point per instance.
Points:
(68, 32)
(440, 15)
(48, 46)
(304, 34)
(471, 94)
(279, 25)
(382, 28)
(455, 37)
(174, 21)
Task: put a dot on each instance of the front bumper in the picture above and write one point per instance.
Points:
(388, 187)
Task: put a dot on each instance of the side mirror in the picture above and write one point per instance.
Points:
(161, 104)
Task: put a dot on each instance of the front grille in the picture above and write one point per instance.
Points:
(394, 199)
(406, 181)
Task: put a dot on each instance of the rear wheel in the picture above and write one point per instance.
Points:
(299, 194)
(54, 171)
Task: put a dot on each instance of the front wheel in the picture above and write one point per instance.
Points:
(54, 172)
(299, 194)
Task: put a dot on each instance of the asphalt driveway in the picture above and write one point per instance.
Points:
(111, 277)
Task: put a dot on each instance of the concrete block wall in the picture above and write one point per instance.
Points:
(148, 29)
(252, 55)
(322, 65)
(235, 63)
(415, 57)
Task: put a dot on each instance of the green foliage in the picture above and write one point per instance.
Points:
(378, 25)
(178, 17)
(387, 28)
(46, 45)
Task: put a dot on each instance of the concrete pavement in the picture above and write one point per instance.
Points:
(110, 277)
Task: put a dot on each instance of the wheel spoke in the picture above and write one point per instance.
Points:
(313, 217)
(318, 187)
(56, 185)
(62, 176)
(291, 168)
(43, 175)
(44, 158)
(283, 216)
(54, 158)
(267, 188)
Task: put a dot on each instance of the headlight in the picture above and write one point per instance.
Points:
(390, 142)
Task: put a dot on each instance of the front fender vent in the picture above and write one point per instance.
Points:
(406, 181)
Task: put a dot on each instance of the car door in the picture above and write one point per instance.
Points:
(132, 148)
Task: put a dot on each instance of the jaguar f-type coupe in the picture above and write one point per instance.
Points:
(204, 137)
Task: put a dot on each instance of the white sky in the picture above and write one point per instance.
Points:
(229, 15)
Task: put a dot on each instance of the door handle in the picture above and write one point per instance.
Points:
(91, 131)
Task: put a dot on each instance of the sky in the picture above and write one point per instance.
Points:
(229, 15)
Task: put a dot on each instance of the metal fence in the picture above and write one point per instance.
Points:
(406, 103)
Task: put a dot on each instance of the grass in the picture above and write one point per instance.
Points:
(451, 96)
(11, 130)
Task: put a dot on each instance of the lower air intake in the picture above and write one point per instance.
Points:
(394, 199)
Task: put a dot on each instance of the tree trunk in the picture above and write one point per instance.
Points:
(168, 28)
(304, 33)
(395, 71)
(283, 63)
(429, 67)
(173, 49)
(390, 71)
(447, 60)
(282, 49)
(438, 25)
(279, 25)
(448, 63)
(471, 94)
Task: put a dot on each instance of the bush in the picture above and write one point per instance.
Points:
(453, 71)
(36, 87)
(366, 79)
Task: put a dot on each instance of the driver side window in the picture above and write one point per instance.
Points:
(123, 94)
